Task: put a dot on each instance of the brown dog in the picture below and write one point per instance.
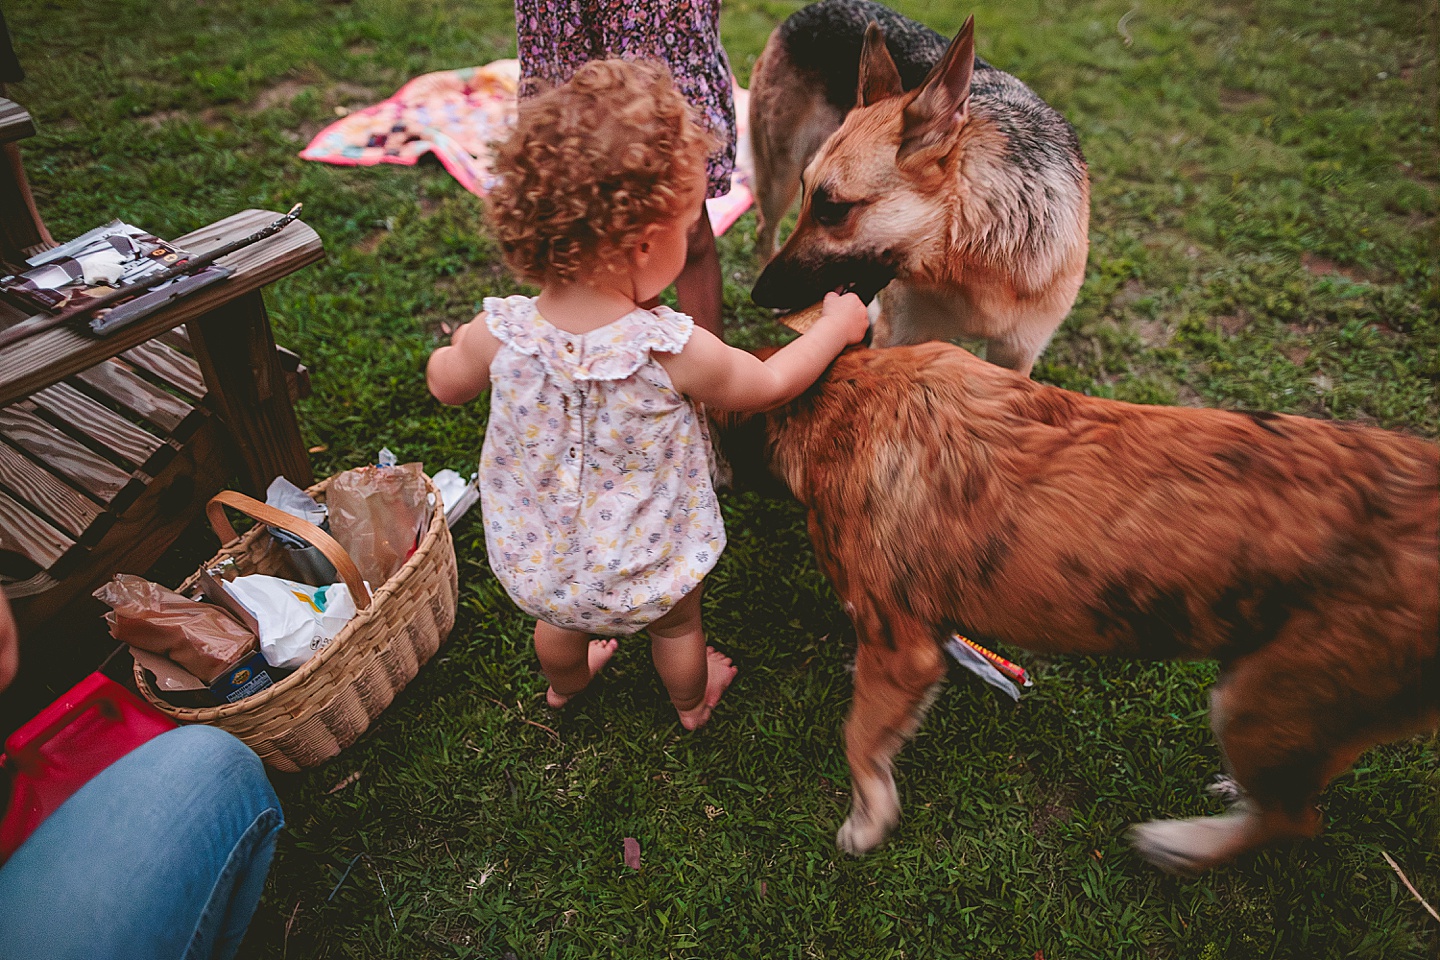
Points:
(968, 191)
(946, 494)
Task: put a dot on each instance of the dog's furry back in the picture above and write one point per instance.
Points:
(823, 42)
(947, 493)
(1061, 522)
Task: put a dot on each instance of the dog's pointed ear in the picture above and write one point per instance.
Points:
(879, 77)
(938, 108)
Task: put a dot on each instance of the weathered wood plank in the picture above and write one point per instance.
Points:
(136, 394)
(61, 503)
(26, 534)
(170, 365)
(297, 375)
(99, 423)
(10, 314)
(179, 338)
(87, 470)
(143, 534)
(52, 356)
(15, 122)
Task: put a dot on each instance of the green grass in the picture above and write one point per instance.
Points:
(1266, 198)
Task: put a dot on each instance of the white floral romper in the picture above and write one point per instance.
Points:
(595, 477)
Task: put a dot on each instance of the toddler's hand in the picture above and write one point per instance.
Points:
(849, 313)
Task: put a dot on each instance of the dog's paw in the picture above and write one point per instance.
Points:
(1190, 847)
(1164, 844)
(1225, 789)
(858, 835)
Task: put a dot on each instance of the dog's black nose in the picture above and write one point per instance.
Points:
(777, 288)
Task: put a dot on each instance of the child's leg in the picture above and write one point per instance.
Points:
(569, 659)
(694, 675)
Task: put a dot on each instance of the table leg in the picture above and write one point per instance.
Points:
(236, 351)
(21, 229)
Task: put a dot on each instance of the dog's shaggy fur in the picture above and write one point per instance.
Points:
(945, 493)
(965, 189)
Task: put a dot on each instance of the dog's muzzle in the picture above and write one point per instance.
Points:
(792, 284)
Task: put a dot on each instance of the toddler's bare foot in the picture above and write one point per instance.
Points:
(720, 671)
(600, 653)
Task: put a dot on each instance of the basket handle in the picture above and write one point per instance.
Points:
(304, 529)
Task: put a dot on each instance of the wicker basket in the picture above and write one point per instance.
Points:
(323, 707)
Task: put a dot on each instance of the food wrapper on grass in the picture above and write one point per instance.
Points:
(376, 514)
(200, 637)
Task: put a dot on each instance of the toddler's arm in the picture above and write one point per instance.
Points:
(461, 372)
(726, 378)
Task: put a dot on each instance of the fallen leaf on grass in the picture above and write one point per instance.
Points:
(343, 783)
(632, 853)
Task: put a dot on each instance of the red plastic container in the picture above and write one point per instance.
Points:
(94, 724)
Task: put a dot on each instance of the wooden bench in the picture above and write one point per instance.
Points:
(110, 446)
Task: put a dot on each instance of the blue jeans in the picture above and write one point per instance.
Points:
(163, 855)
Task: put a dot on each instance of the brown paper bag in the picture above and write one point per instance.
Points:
(200, 637)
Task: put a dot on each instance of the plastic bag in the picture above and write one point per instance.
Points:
(456, 493)
(376, 513)
(200, 637)
(284, 495)
(308, 562)
(296, 620)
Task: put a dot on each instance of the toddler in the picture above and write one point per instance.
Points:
(595, 477)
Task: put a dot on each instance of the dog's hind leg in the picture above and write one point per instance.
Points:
(894, 684)
(781, 155)
(1288, 723)
(789, 120)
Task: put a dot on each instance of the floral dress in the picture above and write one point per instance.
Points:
(557, 37)
(595, 477)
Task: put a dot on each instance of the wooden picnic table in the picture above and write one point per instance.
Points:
(229, 332)
(110, 446)
(15, 122)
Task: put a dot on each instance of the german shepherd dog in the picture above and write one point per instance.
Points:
(947, 494)
(968, 190)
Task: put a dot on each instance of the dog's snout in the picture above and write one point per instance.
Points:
(790, 284)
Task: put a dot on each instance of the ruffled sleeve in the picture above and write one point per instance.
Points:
(617, 351)
(512, 321)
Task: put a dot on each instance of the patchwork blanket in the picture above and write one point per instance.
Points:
(456, 114)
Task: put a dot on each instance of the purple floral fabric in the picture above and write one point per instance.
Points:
(556, 37)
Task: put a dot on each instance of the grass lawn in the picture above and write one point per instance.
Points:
(1266, 197)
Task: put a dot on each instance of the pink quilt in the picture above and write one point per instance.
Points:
(456, 114)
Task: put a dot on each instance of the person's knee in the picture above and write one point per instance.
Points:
(200, 746)
(211, 760)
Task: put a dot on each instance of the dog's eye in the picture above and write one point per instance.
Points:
(827, 211)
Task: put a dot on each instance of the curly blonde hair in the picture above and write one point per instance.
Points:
(590, 165)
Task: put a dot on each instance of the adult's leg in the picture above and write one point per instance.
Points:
(698, 288)
(163, 855)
